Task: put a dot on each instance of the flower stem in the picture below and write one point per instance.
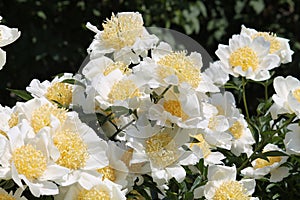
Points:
(244, 82)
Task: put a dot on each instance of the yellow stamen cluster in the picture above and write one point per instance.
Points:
(117, 65)
(61, 93)
(244, 57)
(93, 194)
(4, 196)
(174, 107)
(237, 129)
(202, 144)
(123, 90)
(232, 190)
(13, 121)
(73, 150)
(296, 94)
(41, 116)
(108, 173)
(161, 149)
(126, 158)
(260, 163)
(270, 37)
(29, 161)
(182, 66)
(122, 30)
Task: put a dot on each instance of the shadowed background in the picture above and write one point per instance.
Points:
(54, 38)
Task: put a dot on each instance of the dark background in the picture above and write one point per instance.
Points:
(54, 38)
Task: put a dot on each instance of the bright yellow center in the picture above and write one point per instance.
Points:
(182, 66)
(237, 129)
(60, 93)
(122, 30)
(108, 173)
(161, 149)
(41, 116)
(274, 42)
(29, 161)
(117, 65)
(123, 90)
(174, 107)
(93, 194)
(13, 121)
(4, 196)
(202, 144)
(231, 190)
(244, 57)
(260, 163)
(73, 150)
(296, 94)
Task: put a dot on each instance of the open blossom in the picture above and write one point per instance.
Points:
(222, 184)
(17, 195)
(261, 167)
(292, 139)
(287, 97)
(248, 57)
(124, 35)
(278, 45)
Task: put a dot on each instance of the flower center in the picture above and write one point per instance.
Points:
(14, 120)
(161, 149)
(4, 196)
(182, 66)
(108, 173)
(202, 144)
(237, 129)
(60, 93)
(296, 94)
(270, 37)
(260, 163)
(73, 151)
(122, 30)
(41, 116)
(244, 57)
(174, 107)
(93, 194)
(29, 161)
(117, 65)
(231, 190)
(123, 90)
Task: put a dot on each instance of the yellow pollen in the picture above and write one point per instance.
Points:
(270, 37)
(73, 151)
(29, 161)
(237, 129)
(126, 158)
(122, 30)
(182, 66)
(296, 94)
(41, 116)
(117, 65)
(174, 107)
(231, 190)
(93, 194)
(135, 195)
(260, 163)
(108, 173)
(3, 133)
(14, 120)
(202, 144)
(244, 57)
(161, 149)
(123, 90)
(61, 93)
(4, 196)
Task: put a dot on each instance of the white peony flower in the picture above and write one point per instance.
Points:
(248, 58)
(17, 195)
(262, 167)
(279, 46)
(8, 120)
(292, 139)
(216, 73)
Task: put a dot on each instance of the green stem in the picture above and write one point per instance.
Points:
(266, 92)
(244, 82)
(121, 129)
(159, 97)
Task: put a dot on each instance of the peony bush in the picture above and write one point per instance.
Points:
(145, 119)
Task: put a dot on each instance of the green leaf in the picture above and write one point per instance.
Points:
(22, 94)
(73, 82)
(196, 183)
(274, 153)
(257, 5)
(120, 110)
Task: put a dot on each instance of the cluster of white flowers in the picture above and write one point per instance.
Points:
(157, 112)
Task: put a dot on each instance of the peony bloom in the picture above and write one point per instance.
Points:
(279, 46)
(123, 35)
(292, 139)
(287, 97)
(222, 184)
(247, 57)
(17, 195)
(262, 167)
